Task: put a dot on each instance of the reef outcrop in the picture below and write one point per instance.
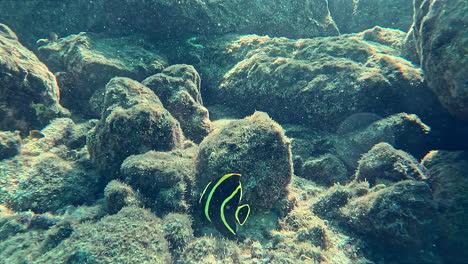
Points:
(50, 172)
(165, 179)
(29, 94)
(328, 79)
(254, 147)
(439, 37)
(85, 62)
(134, 121)
(178, 87)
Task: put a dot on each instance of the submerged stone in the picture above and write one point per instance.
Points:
(254, 147)
(29, 94)
(178, 87)
(134, 121)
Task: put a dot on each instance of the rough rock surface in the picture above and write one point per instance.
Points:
(447, 176)
(29, 94)
(133, 121)
(309, 17)
(206, 248)
(385, 165)
(119, 195)
(356, 16)
(328, 78)
(38, 19)
(84, 63)
(360, 132)
(178, 230)
(254, 147)
(400, 217)
(207, 17)
(48, 174)
(165, 179)
(439, 32)
(325, 170)
(178, 87)
(10, 144)
(134, 235)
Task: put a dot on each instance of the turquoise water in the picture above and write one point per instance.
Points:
(216, 131)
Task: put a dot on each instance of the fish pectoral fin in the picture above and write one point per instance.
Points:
(242, 213)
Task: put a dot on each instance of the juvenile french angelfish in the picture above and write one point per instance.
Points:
(220, 202)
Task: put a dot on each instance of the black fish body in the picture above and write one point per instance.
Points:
(220, 204)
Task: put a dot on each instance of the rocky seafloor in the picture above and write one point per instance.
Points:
(348, 120)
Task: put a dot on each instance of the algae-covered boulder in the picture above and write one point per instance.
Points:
(10, 144)
(29, 94)
(85, 62)
(207, 17)
(325, 170)
(399, 217)
(254, 147)
(119, 195)
(48, 174)
(447, 176)
(439, 36)
(133, 121)
(178, 230)
(134, 235)
(209, 250)
(328, 79)
(360, 132)
(165, 179)
(385, 165)
(178, 87)
(355, 16)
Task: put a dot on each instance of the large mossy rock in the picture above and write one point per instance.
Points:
(178, 87)
(10, 144)
(399, 217)
(439, 38)
(206, 17)
(85, 62)
(164, 179)
(29, 94)
(360, 132)
(50, 172)
(134, 235)
(321, 81)
(133, 121)
(385, 165)
(356, 16)
(447, 175)
(254, 147)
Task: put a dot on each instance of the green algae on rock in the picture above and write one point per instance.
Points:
(355, 16)
(119, 195)
(85, 62)
(134, 235)
(178, 87)
(385, 165)
(133, 121)
(49, 173)
(178, 230)
(254, 147)
(439, 38)
(325, 170)
(400, 217)
(24, 82)
(403, 131)
(165, 179)
(210, 17)
(209, 250)
(10, 144)
(328, 78)
(446, 172)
